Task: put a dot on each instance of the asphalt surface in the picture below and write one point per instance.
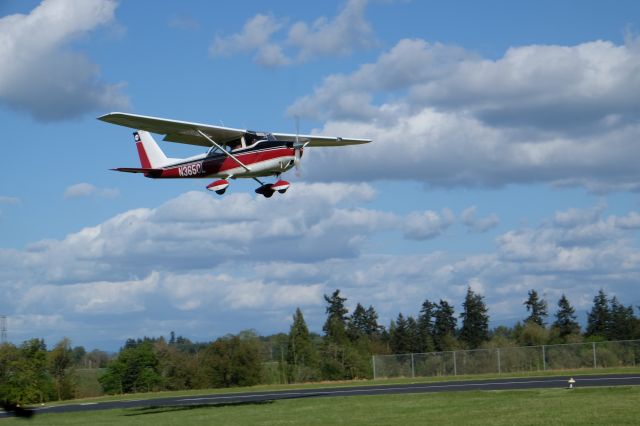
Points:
(267, 396)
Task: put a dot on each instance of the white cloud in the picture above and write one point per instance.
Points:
(575, 217)
(91, 298)
(565, 115)
(258, 259)
(304, 42)
(255, 36)
(428, 224)
(340, 36)
(629, 221)
(41, 75)
(83, 190)
(474, 224)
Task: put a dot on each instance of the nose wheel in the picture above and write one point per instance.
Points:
(268, 189)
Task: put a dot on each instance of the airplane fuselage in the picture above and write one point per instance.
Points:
(265, 158)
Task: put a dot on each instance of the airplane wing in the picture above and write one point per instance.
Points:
(315, 140)
(175, 131)
(186, 132)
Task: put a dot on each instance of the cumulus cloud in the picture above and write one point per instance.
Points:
(313, 222)
(84, 190)
(564, 115)
(41, 74)
(196, 259)
(475, 224)
(428, 224)
(261, 34)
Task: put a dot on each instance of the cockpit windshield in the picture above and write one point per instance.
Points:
(214, 150)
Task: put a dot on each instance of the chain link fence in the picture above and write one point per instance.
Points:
(623, 353)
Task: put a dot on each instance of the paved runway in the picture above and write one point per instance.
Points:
(255, 397)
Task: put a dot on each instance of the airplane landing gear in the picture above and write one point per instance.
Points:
(281, 186)
(265, 189)
(219, 186)
(268, 189)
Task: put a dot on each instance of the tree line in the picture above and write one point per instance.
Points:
(32, 373)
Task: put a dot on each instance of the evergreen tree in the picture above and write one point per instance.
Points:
(358, 323)
(566, 319)
(622, 322)
(598, 318)
(335, 343)
(413, 335)
(426, 326)
(372, 328)
(335, 325)
(444, 325)
(302, 356)
(400, 339)
(475, 321)
(537, 308)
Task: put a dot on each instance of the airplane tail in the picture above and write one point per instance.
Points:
(151, 156)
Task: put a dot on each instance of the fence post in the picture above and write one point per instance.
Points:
(373, 362)
(499, 366)
(455, 367)
(544, 358)
(595, 361)
(413, 369)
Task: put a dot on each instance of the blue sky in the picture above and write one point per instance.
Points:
(505, 158)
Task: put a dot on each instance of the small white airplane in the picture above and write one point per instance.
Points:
(232, 154)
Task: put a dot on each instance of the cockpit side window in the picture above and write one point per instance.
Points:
(234, 144)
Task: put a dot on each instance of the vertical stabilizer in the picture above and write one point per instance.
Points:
(151, 156)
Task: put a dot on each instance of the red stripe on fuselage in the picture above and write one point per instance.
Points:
(219, 165)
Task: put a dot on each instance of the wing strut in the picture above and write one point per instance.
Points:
(224, 151)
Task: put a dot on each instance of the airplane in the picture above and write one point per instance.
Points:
(232, 154)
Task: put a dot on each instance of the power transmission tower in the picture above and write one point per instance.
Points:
(3, 329)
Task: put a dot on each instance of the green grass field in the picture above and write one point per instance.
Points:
(600, 406)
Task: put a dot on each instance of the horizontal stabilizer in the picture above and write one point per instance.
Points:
(150, 172)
